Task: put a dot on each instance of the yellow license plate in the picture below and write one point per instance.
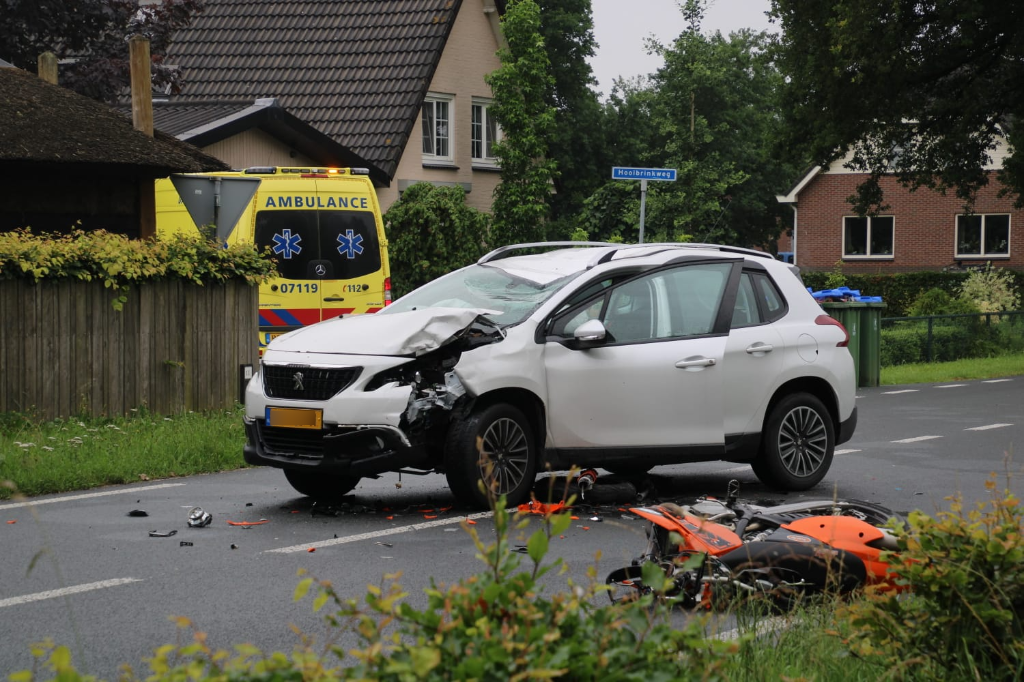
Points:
(295, 418)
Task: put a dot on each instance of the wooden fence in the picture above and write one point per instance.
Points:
(173, 347)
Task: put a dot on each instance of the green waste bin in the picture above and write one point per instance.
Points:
(849, 316)
(870, 368)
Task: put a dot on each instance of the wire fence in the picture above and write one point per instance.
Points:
(941, 338)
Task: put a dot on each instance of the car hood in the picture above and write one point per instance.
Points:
(410, 333)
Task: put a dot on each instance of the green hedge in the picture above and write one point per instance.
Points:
(899, 290)
(952, 338)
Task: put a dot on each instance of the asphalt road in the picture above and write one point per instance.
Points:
(78, 569)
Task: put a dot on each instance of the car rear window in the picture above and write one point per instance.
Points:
(343, 242)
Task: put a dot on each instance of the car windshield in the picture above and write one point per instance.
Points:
(509, 298)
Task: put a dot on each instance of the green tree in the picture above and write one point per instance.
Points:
(91, 36)
(431, 231)
(708, 112)
(520, 88)
(576, 143)
(920, 88)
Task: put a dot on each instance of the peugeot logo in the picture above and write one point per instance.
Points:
(297, 382)
(321, 270)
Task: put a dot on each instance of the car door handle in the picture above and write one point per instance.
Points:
(334, 298)
(760, 348)
(689, 363)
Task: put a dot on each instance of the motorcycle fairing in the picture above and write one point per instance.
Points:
(699, 534)
(849, 534)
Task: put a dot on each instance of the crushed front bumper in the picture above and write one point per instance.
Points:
(350, 451)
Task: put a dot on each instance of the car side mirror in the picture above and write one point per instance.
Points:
(590, 334)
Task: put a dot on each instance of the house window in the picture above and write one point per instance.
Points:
(982, 235)
(437, 128)
(485, 132)
(869, 237)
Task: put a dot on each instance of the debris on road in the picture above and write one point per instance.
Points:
(162, 533)
(197, 518)
(138, 512)
(184, 543)
(248, 523)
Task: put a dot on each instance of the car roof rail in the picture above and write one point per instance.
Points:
(506, 251)
(664, 246)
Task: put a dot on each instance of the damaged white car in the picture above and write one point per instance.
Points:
(624, 357)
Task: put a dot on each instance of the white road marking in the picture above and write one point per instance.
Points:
(845, 452)
(86, 496)
(987, 427)
(376, 534)
(64, 591)
(995, 381)
(906, 390)
(916, 439)
(764, 627)
(951, 386)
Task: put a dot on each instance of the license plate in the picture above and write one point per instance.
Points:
(295, 418)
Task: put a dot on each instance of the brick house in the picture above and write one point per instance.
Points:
(396, 86)
(921, 230)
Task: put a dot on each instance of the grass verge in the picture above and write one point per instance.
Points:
(957, 370)
(79, 453)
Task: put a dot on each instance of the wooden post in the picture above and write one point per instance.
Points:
(47, 67)
(142, 84)
(142, 119)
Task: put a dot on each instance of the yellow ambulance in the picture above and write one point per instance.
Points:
(324, 228)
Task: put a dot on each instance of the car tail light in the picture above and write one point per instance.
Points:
(826, 320)
(387, 291)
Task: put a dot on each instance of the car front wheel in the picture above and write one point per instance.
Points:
(495, 446)
(797, 444)
(320, 486)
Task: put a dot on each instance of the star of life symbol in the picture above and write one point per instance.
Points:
(297, 384)
(287, 244)
(350, 243)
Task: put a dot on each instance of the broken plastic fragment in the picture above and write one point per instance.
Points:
(184, 543)
(311, 550)
(162, 533)
(11, 522)
(197, 518)
(248, 523)
(138, 512)
(534, 507)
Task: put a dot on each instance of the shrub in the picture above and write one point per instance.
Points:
(963, 618)
(431, 231)
(902, 345)
(991, 290)
(939, 302)
(118, 261)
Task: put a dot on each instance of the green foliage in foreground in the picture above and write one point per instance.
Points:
(79, 453)
(117, 261)
(965, 616)
(959, 620)
(496, 625)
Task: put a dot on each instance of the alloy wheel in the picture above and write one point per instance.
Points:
(803, 441)
(504, 455)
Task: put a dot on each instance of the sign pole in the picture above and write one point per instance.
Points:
(643, 206)
(643, 175)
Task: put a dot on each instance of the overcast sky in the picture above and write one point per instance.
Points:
(621, 26)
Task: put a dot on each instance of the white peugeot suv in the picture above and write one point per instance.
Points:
(544, 356)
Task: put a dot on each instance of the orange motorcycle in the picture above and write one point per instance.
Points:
(722, 549)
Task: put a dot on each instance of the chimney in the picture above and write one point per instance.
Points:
(142, 84)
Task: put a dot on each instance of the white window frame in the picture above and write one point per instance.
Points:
(869, 255)
(981, 243)
(436, 155)
(482, 159)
